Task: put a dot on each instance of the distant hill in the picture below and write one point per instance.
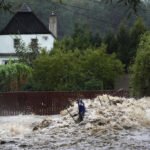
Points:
(99, 16)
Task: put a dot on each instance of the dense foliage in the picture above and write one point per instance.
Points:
(141, 68)
(14, 76)
(125, 41)
(27, 53)
(72, 70)
(82, 38)
(5, 5)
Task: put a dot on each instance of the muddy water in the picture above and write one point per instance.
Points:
(18, 135)
(110, 123)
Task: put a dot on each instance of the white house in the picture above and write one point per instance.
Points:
(26, 26)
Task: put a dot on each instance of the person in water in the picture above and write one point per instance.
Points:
(81, 109)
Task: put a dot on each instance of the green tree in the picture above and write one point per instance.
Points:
(92, 69)
(65, 44)
(27, 53)
(5, 5)
(100, 69)
(81, 39)
(111, 41)
(140, 80)
(135, 34)
(57, 71)
(14, 76)
(123, 45)
(96, 40)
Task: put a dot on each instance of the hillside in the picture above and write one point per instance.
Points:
(99, 16)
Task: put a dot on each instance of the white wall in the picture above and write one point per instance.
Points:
(7, 41)
(3, 60)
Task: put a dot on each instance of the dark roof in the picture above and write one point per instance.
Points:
(25, 22)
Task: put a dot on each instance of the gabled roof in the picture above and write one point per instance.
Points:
(25, 22)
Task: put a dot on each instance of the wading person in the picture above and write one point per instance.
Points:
(81, 108)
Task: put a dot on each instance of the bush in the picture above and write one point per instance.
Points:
(141, 69)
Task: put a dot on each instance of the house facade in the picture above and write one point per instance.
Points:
(26, 27)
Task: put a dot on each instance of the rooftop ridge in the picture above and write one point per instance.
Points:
(25, 8)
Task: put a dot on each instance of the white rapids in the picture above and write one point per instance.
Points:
(110, 123)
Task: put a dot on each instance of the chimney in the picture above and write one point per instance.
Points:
(53, 24)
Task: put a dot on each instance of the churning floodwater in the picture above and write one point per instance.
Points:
(110, 123)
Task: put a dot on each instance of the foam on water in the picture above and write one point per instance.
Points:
(114, 111)
(17, 126)
(109, 123)
(102, 113)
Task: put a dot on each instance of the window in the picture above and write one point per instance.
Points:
(16, 43)
(34, 43)
(45, 38)
(5, 62)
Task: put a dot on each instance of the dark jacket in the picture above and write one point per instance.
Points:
(81, 106)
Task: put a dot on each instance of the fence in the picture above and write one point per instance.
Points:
(44, 103)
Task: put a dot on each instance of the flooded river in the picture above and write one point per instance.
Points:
(109, 124)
